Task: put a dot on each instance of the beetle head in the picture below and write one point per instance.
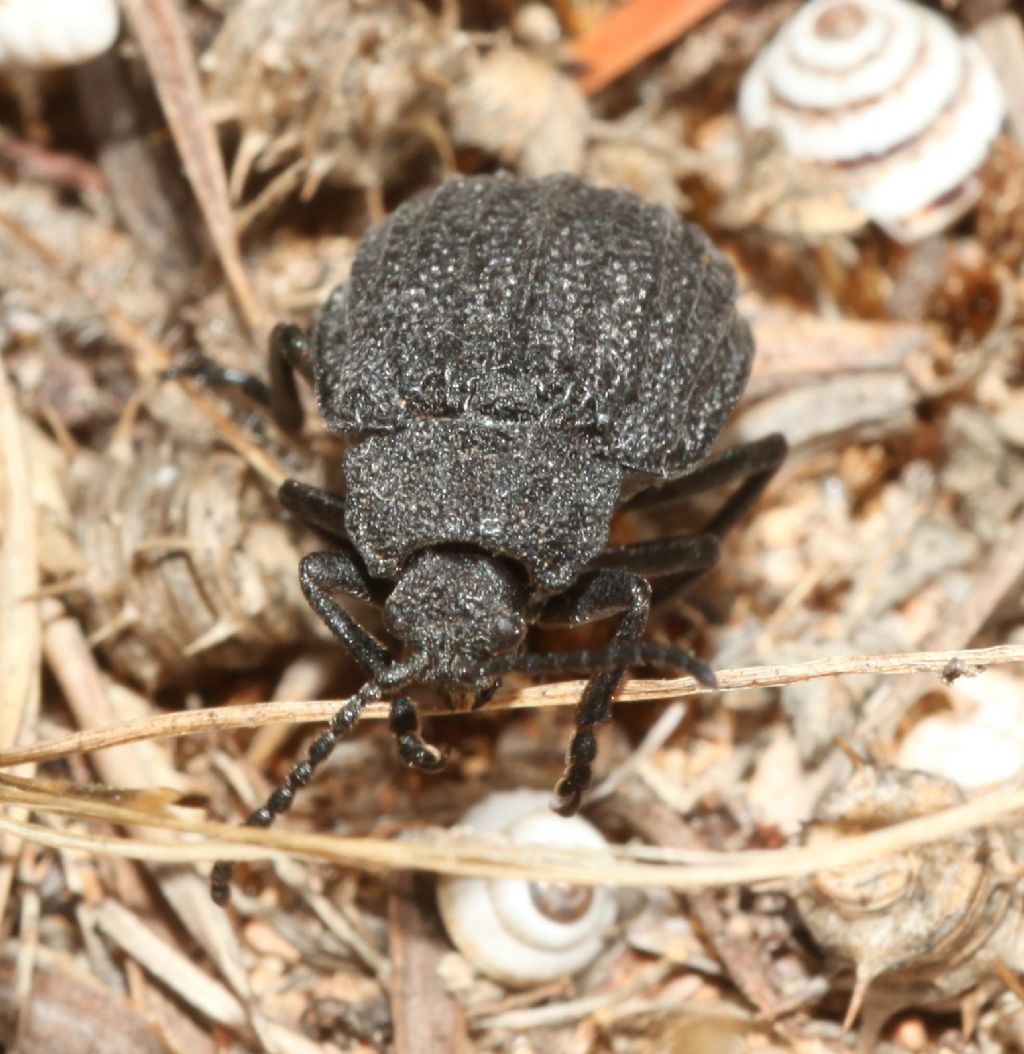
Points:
(457, 610)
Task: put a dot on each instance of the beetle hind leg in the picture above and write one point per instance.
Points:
(601, 594)
(287, 354)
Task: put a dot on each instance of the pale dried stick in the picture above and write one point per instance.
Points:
(159, 27)
(457, 854)
(20, 632)
(89, 699)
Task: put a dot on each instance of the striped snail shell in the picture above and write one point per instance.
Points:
(45, 33)
(518, 932)
(885, 93)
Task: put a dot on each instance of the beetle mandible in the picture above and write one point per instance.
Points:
(512, 361)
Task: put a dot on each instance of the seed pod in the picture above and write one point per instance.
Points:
(524, 933)
(886, 96)
(44, 33)
(920, 927)
(191, 565)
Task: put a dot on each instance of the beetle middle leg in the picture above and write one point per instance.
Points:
(663, 556)
(753, 463)
(315, 507)
(599, 595)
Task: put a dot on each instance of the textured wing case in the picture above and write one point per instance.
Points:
(511, 301)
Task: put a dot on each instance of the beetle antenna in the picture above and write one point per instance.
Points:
(281, 800)
(589, 660)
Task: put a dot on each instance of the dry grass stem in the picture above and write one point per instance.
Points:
(566, 693)
(162, 34)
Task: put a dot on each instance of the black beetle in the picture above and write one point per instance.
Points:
(513, 361)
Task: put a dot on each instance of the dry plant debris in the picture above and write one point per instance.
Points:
(178, 529)
(814, 859)
(927, 927)
(345, 90)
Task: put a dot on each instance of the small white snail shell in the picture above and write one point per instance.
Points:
(46, 33)
(885, 93)
(525, 933)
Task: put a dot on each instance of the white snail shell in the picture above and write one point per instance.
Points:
(524, 933)
(45, 33)
(885, 92)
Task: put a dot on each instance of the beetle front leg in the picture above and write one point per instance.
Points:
(281, 800)
(319, 575)
(600, 595)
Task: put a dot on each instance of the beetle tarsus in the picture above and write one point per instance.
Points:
(404, 721)
(287, 354)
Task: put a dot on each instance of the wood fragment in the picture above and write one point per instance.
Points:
(632, 32)
(1002, 37)
(797, 347)
(170, 966)
(427, 1019)
(572, 1011)
(149, 194)
(20, 630)
(70, 1013)
(149, 355)
(73, 663)
(744, 962)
